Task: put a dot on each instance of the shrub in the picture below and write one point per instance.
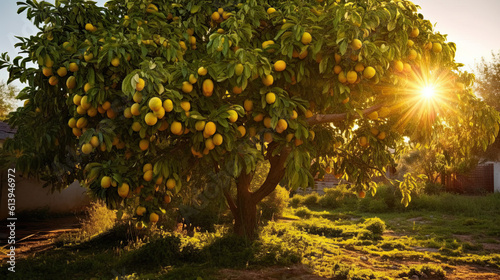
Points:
(377, 206)
(296, 201)
(98, 218)
(431, 271)
(375, 225)
(342, 195)
(274, 204)
(311, 199)
(320, 226)
(365, 234)
(328, 201)
(303, 212)
(206, 214)
(229, 251)
(433, 188)
(159, 252)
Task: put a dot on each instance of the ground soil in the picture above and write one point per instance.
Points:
(34, 237)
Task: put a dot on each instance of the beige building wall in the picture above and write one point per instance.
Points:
(30, 195)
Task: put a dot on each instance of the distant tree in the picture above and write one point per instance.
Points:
(488, 87)
(488, 80)
(7, 94)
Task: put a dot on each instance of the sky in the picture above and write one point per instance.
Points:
(472, 25)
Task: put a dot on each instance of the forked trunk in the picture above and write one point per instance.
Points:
(244, 210)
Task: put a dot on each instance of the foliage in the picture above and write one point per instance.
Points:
(303, 212)
(434, 271)
(179, 256)
(158, 252)
(375, 225)
(274, 204)
(98, 219)
(165, 83)
(7, 94)
(487, 82)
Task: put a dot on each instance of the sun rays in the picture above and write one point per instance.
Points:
(427, 95)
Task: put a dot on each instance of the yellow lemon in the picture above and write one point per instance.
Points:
(105, 182)
(208, 87)
(123, 190)
(233, 116)
(217, 139)
(144, 144)
(87, 148)
(306, 38)
(210, 128)
(176, 128)
(352, 76)
(187, 87)
(202, 71)
(150, 119)
(279, 65)
(356, 44)
(140, 84)
(155, 104)
(369, 72)
(168, 105)
(248, 105)
(270, 98)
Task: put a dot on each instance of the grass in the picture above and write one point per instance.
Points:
(335, 242)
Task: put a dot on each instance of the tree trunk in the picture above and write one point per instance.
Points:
(245, 214)
(244, 210)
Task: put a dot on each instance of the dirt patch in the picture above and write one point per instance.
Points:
(295, 272)
(34, 237)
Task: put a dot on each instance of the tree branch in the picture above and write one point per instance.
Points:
(328, 118)
(276, 172)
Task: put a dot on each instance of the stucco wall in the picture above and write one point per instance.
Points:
(496, 175)
(30, 195)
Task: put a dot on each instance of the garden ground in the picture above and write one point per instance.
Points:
(437, 237)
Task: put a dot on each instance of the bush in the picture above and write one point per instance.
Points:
(303, 212)
(311, 199)
(320, 226)
(159, 252)
(431, 271)
(206, 215)
(274, 204)
(296, 201)
(98, 219)
(229, 251)
(433, 188)
(375, 225)
(339, 196)
(377, 206)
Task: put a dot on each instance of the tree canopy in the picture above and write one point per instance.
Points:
(7, 95)
(129, 97)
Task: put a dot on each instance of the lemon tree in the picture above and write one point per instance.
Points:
(129, 97)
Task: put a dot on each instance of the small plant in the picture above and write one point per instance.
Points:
(229, 251)
(311, 199)
(426, 270)
(159, 252)
(296, 201)
(274, 204)
(98, 219)
(320, 226)
(303, 212)
(375, 225)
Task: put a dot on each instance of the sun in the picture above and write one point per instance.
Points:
(428, 92)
